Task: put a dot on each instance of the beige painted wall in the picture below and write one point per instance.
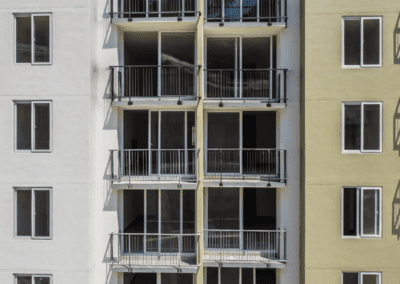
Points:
(327, 170)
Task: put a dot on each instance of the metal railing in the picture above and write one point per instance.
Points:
(132, 9)
(246, 164)
(246, 84)
(145, 164)
(260, 11)
(153, 249)
(141, 81)
(244, 245)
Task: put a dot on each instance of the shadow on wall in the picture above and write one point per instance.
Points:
(110, 34)
(396, 41)
(396, 128)
(396, 213)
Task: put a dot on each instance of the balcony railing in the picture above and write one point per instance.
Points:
(153, 81)
(150, 9)
(260, 11)
(162, 165)
(236, 245)
(153, 249)
(246, 84)
(246, 164)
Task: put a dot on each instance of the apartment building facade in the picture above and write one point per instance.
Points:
(350, 142)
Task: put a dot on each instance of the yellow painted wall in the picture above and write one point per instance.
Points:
(327, 170)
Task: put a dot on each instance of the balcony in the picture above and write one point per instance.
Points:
(241, 87)
(252, 14)
(137, 168)
(249, 167)
(235, 247)
(163, 252)
(153, 13)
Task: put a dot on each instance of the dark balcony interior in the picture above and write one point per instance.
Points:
(231, 276)
(172, 157)
(151, 278)
(247, 70)
(150, 72)
(230, 11)
(156, 8)
(258, 135)
(259, 209)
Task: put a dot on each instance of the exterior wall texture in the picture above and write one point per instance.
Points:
(326, 86)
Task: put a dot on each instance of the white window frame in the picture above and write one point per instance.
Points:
(360, 275)
(32, 16)
(362, 151)
(33, 277)
(360, 190)
(33, 150)
(33, 219)
(362, 19)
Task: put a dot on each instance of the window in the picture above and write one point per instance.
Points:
(362, 212)
(33, 213)
(33, 38)
(362, 122)
(361, 278)
(33, 279)
(33, 126)
(362, 42)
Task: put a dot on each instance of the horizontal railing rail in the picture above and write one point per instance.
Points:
(154, 164)
(246, 84)
(245, 245)
(153, 81)
(150, 9)
(246, 164)
(260, 11)
(145, 249)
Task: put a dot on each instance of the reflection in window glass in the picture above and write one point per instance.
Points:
(24, 39)
(24, 127)
(42, 38)
(352, 42)
(352, 127)
(42, 214)
(42, 126)
(24, 213)
(223, 208)
(371, 42)
(371, 127)
(370, 211)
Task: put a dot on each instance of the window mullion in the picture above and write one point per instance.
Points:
(33, 213)
(33, 126)
(358, 204)
(362, 126)
(362, 42)
(32, 39)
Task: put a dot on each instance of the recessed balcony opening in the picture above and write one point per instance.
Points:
(242, 145)
(244, 68)
(150, 9)
(158, 229)
(156, 65)
(241, 226)
(257, 11)
(225, 275)
(157, 145)
(164, 278)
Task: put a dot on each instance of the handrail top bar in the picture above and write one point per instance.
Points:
(262, 69)
(247, 149)
(246, 18)
(193, 149)
(125, 66)
(257, 231)
(161, 12)
(155, 234)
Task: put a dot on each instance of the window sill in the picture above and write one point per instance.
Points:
(360, 67)
(362, 238)
(359, 152)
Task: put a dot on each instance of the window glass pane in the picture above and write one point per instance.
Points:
(256, 53)
(371, 127)
(223, 130)
(140, 278)
(42, 280)
(350, 212)
(24, 39)
(175, 278)
(352, 42)
(369, 211)
(42, 213)
(42, 126)
(24, 280)
(371, 42)
(350, 278)
(24, 126)
(212, 275)
(42, 38)
(370, 279)
(173, 130)
(223, 208)
(247, 275)
(229, 275)
(152, 211)
(24, 213)
(352, 131)
(220, 53)
(170, 211)
(189, 211)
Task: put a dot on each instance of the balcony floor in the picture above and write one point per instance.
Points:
(234, 104)
(253, 28)
(149, 184)
(248, 264)
(154, 24)
(241, 183)
(155, 269)
(155, 102)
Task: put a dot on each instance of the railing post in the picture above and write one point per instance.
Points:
(111, 9)
(179, 85)
(112, 165)
(284, 87)
(112, 248)
(220, 167)
(269, 167)
(282, 245)
(112, 83)
(220, 104)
